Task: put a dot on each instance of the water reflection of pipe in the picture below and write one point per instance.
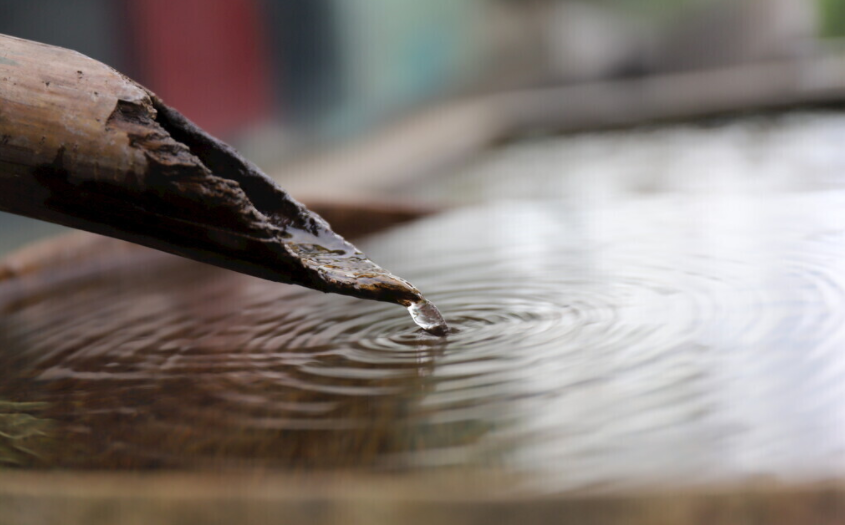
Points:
(169, 363)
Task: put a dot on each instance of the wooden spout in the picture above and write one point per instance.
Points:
(84, 146)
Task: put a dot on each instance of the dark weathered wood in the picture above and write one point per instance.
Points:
(83, 146)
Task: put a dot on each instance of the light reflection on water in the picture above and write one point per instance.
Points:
(647, 342)
(671, 335)
(780, 153)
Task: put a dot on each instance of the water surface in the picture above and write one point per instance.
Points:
(676, 332)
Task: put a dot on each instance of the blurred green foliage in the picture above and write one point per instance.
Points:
(832, 13)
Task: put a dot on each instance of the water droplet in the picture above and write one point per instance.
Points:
(428, 317)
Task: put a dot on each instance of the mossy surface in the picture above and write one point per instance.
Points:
(24, 435)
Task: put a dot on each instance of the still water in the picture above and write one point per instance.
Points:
(607, 328)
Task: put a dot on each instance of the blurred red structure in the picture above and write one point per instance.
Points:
(206, 58)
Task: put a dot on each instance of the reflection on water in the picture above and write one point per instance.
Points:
(682, 337)
(686, 338)
(169, 363)
(789, 152)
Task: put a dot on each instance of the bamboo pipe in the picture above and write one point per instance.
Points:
(84, 146)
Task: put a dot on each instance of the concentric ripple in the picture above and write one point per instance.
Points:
(669, 338)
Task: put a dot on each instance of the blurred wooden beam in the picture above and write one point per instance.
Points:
(460, 498)
(440, 137)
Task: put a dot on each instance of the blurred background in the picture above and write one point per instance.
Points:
(285, 80)
(673, 177)
(332, 68)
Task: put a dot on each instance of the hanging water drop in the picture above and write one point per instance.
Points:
(428, 317)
